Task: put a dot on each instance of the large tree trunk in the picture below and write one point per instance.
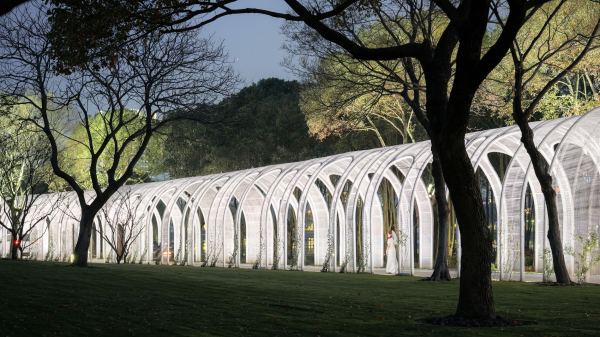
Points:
(84, 238)
(440, 271)
(545, 179)
(475, 296)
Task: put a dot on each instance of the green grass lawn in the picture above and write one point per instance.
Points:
(47, 299)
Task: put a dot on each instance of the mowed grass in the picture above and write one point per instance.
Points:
(48, 299)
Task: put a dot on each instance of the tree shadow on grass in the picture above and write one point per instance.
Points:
(473, 322)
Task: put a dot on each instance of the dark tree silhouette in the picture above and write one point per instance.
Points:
(171, 77)
(8, 5)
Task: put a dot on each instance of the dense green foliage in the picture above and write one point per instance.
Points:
(119, 300)
(267, 128)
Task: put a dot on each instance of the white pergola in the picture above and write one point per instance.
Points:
(335, 200)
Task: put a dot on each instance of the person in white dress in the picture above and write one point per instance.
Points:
(391, 266)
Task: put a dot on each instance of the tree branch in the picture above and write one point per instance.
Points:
(563, 73)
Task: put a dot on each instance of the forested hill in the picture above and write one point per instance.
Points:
(266, 127)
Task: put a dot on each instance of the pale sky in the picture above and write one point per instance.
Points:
(254, 40)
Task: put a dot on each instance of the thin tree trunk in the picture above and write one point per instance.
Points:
(521, 117)
(14, 249)
(545, 180)
(440, 271)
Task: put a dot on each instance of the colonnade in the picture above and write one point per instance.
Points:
(331, 210)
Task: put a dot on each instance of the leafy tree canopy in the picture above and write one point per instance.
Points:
(269, 129)
(105, 28)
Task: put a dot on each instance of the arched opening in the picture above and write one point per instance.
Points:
(452, 236)
(360, 239)
(93, 244)
(388, 200)
(490, 210)
(186, 221)
(429, 182)
(334, 178)
(243, 254)
(200, 242)
(291, 236)
(156, 235)
(67, 241)
(499, 162)
(275, 236)
(582, 187)
(100, 235)
(156, 246)
(293, 253)
(297, 194)
(337, 240)
(422, 238)
(178, 236)
(416, 236)
(347, 245)
(171, 249)
(309, 237)
(529, 230)
(237, 241)
(324, 192)
(345, 192)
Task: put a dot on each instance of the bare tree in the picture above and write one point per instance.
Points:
(169, 77)
(24, 176)
(122, 223)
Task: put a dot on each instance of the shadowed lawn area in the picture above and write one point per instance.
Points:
(46, 298)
